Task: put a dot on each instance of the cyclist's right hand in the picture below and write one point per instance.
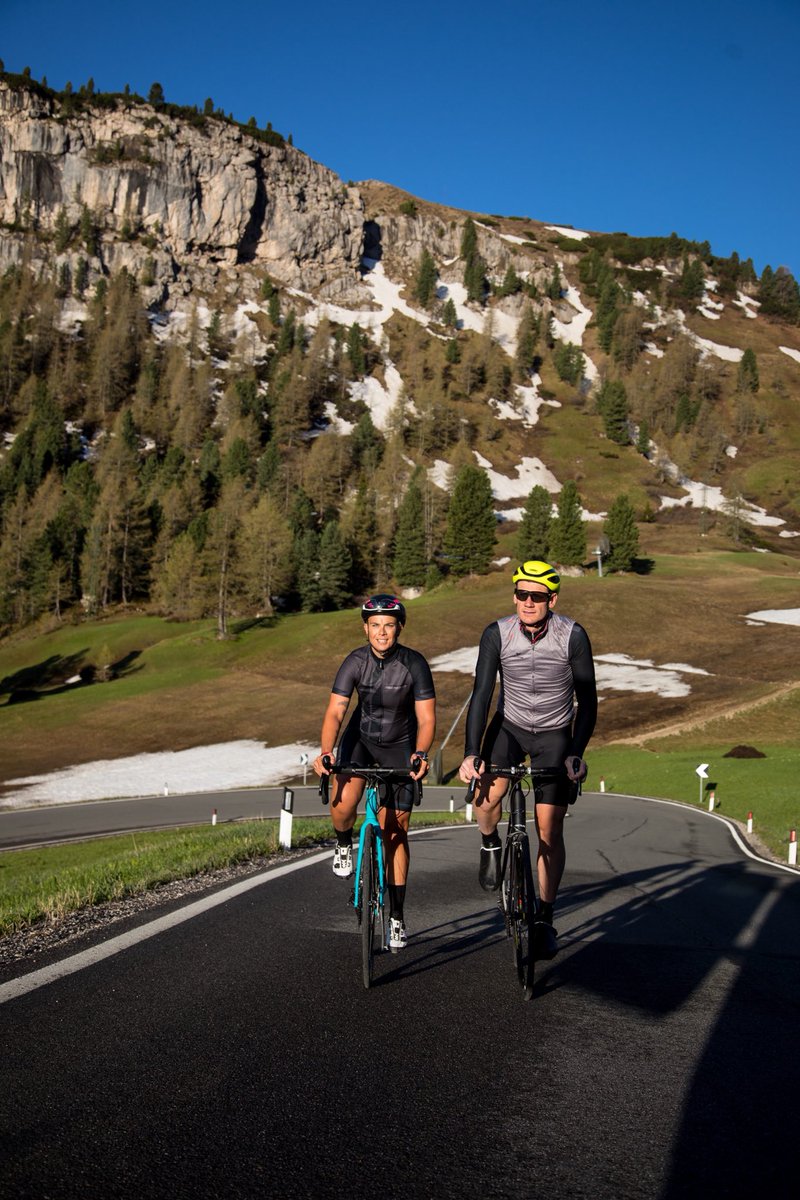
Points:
(323, 763)
(471, 768)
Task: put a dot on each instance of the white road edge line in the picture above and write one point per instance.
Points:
(734, 832)
(86, 958)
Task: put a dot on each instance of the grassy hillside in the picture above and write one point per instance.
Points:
(177, 686)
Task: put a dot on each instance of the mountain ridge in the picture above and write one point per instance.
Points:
(234, 316)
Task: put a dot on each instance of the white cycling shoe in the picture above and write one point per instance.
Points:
(398, 937)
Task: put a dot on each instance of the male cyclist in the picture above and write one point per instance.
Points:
(392, 726)
(545, 664)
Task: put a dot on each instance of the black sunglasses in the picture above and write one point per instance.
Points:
(534, 597)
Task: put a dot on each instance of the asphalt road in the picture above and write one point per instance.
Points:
(236, 1054)
(40, 825)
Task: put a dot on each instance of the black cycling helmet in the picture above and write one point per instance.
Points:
(384, 605)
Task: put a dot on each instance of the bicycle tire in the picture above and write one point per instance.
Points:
(368, 891)
(520, 912)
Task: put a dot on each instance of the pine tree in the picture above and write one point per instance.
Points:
(568, 537)
(643, 438)
(533, 535)
(747, 379)
(469, 239)
(409, 554)
(612, 403)
(355, 351)
(527, 339)
(334, 568)
(623, 536)
(449, 314)
(307, 570)
(425, 284)
(471, 525)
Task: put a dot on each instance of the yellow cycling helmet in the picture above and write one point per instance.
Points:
(536, 571)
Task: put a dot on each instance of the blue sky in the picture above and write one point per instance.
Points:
(609, 116)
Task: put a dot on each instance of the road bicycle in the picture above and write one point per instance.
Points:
(370, 873)
(518, 901)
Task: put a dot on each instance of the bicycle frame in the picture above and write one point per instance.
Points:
(370, 818)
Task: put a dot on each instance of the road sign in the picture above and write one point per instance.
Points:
(304, 759)
(702, 771)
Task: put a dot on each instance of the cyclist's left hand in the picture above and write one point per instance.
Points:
(576, 768)
(422, 769)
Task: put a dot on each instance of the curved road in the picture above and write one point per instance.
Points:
(42, 824)
(236, 1054)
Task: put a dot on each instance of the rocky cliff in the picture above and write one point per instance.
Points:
(180, 200)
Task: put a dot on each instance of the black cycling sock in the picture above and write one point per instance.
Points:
(344, 837)
(397, 896)
(546, 912)
(490, 840)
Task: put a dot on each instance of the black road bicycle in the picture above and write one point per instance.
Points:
(370, 873)
(517, 891)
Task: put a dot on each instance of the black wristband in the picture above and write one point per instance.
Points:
(423, 754)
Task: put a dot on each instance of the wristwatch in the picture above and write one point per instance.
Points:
(423, 754)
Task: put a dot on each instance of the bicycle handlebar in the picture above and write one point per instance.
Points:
(371, 774)
(537, 775)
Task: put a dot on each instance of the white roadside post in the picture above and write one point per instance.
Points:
(750, 822)
(793, 848)
(468, 813)
(213, 816)
(304, 763)
(702, 771)
(285, 830)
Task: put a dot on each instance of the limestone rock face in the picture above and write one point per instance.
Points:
(187, 198)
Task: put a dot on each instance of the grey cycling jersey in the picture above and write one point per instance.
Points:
(388, 689)
(539, 679)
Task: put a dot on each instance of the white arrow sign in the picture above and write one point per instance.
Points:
(304, 759)
(702, 770)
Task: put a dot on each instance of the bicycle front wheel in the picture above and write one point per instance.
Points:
(368, 887)
(520, 909)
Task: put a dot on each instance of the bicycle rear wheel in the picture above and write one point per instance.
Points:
(520, 909)
(368, 889)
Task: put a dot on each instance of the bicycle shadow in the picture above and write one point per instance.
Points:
(438, 946)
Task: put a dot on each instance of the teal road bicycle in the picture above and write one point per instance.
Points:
(370, 873)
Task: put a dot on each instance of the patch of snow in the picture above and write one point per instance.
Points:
(578, 234)
(653, 349)
(530, 472)
(727, 353)
(786, 533)
(615, 672)
(337, 424)
(462, 661)
(527, 407)
(795, 354)
(244, 763)
(775, 616)
(731, 451)
(705, 312)
(441, 473)
(379, 399)
(747, 304)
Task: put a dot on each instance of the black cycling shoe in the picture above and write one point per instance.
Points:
(545, 940)
(489, 870)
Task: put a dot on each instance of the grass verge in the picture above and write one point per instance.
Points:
(767, 787)
(45, 885)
